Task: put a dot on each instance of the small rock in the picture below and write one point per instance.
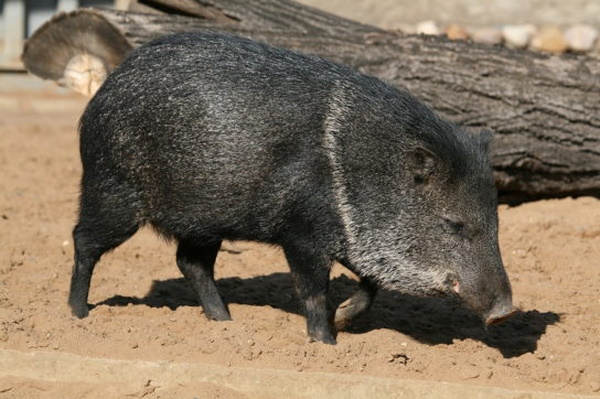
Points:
(581, 38)
(518, 36)
(521, 253)
(428, 28)
(490, 35)
(456, 32)
(399, 358)
(549, 39)
(595, 386)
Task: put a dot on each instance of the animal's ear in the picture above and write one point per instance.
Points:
(423, 164)
(486, 136)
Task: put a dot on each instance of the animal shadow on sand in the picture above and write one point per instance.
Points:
(428, 320)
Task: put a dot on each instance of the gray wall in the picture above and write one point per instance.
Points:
(474, 13)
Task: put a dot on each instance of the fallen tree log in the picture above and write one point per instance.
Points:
(544, 109)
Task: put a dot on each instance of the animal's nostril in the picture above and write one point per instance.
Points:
(456, 286)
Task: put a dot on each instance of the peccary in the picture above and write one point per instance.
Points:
(209, 137)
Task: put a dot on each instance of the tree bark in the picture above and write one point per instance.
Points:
(544, 109)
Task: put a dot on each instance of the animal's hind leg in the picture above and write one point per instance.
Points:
(100, 229)
(197, 262)
(356, 305)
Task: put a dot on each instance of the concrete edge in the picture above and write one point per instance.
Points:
(65, 367)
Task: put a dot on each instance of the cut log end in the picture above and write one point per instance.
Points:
(84, 74)
(77, 49)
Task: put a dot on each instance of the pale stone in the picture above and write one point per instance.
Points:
(581, 38)
(518, 36)
(428, 28)
(491, 35)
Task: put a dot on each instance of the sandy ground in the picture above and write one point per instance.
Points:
(143, 311)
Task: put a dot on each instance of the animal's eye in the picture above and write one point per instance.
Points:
(454, 226)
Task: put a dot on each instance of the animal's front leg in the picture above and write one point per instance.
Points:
(311, 278)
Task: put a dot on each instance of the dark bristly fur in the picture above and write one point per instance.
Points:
(209, 137)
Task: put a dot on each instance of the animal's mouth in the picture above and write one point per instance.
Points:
(501, 310)
(498, 319)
